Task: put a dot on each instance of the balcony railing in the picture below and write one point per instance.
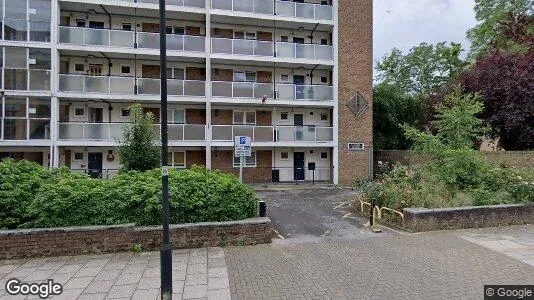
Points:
(113, 131)
(242, 47)
(126, 85)
(126, 39)
(25, 79)
(304, 92)
(242, 89)
(189, 3)
(309, 51)
(273, 133)
(282, 8)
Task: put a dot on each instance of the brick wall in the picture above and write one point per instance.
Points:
(355, 75)
(264, 118)
(195, 158)
(422, 219)
(192, 73)
(223, 160)
(222, 117)
(218, 74)
(121, 238)
(195, 116)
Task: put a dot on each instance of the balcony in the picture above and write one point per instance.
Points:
(282, 91)
(267, 48)
(113, 131)
(25, 79)
(71, 83)
(227, 133)
(188, 3)
(126, 39)
(280, 8)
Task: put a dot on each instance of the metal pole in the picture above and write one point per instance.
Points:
(241, 168)
(166, 249)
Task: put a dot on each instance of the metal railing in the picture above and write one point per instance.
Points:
(309, 51)
(127, 39)
(114, 131)
(273, 133)
(304, 92)
(189, 3)
(98, 173)
(255, 6)
(242, 89)
(281, 8)
(242, 47)
(175, 87)
(96, 84)
(304, 134)
(290, 174)
(257, 133)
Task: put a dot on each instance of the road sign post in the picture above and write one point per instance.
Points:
(242, 149)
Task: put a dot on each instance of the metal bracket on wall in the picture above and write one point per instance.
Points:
(358, 105)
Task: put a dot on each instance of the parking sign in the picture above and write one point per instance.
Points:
(242, 146)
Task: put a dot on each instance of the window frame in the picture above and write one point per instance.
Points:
(281, 156)
(82, 108)
(282, 118)
(324, 114)
(78, 159)
(123, 109)
(321, 155)
(129, 67)
(244, 117)
(173, 165)
(173, 111)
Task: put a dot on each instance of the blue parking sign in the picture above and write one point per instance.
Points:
(242, 140)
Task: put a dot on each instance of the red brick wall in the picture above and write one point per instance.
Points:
(223, 160)
(222, 117)
(195, 116)
(195, 158)
(264, 118)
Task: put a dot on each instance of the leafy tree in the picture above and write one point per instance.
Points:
(490, 14)
(392, 107)
(138, 149)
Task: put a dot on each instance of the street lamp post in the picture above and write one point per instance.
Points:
(166, 249)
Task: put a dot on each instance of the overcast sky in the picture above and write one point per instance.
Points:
(406, 23)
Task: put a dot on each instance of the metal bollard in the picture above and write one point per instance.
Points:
(262, 208)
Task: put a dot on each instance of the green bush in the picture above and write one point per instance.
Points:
(32, 196)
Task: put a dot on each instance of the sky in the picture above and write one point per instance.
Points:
(406, 23)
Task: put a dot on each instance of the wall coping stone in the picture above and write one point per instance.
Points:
(28, 231)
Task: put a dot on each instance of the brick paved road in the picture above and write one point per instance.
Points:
(437, 265)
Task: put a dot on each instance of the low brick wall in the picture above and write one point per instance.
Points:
(24, 243)
(422, 219)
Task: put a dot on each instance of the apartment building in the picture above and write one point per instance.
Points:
(293, 75)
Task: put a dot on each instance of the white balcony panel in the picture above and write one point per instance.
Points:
(96, 37)
(175, 87)
(308, 51)
(229, 132)
(304, 92)
(255, 6)
(304, 10)
(304, 134)
(96, 84)
(242, 47)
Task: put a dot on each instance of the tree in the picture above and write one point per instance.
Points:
(392, 107)
(138, 149)
(490, 15)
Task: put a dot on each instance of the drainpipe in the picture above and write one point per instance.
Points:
(107, 13)
(109, 109)
(109, 63)
(311, 34)
(311, 74)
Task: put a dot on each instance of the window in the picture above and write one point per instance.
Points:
(284, 155)
(176, 73)
(78, 155)
(324, 41)
(248, 161)
(125, 112)
(179, 30)
(284, 39)
(168, 30)
(80, 23)
(324, 155)
(284, 116)
(311, 113)
(177, 159)
(323, 2)
(176, 116)
(79, 112)
(324, 117)
(240, 76)
(324, 79)
(127, 26)
(125, 70)
(26, 118)
(284, 78)
(79, 67)
(243, 35)
(241, 117)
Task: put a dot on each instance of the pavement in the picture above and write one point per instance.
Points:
(321, 250)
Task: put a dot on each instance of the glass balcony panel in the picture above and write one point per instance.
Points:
(39, 129)
(96, 84)
(323, 93)
(195, 3)
(285, 50)
(122, 85)
(305, 134)
(195, 88)
(194, 43)
(175, 42)
(222, 89)
(221, 4)
(324, 52)
(71, 83)
(148, 86)
(285, 134)
(39, 31)
(176, 132)
(70, 131)
(14, 129)
(16, 79)
(244, 5)
(122, 38)
(96, 131)
(15, 30)
(243, 130)
(71, 35)
(323, 12)
(116, 130)
(194, 132)
(263, 90)
(263, 134)
(243, 89)
(286, 9)
(304, 10)
(264, 6)
(304, 51)
(175, 87)
(285, 91)
(39, 80)
(243, 47)
(325, 134)
(222, 133)
(148, 40)
(97, 37)
(220, 45)
(263, 48)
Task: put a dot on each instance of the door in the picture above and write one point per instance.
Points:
(95, 114)
(298, 81)
(95, 165)
(95, 70)
(298, 164)
(298, 122)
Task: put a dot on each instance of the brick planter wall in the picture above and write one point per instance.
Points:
(24, 243)
(422, 219)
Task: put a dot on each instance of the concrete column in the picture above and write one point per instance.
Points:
(208, 85)
(335, 84)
